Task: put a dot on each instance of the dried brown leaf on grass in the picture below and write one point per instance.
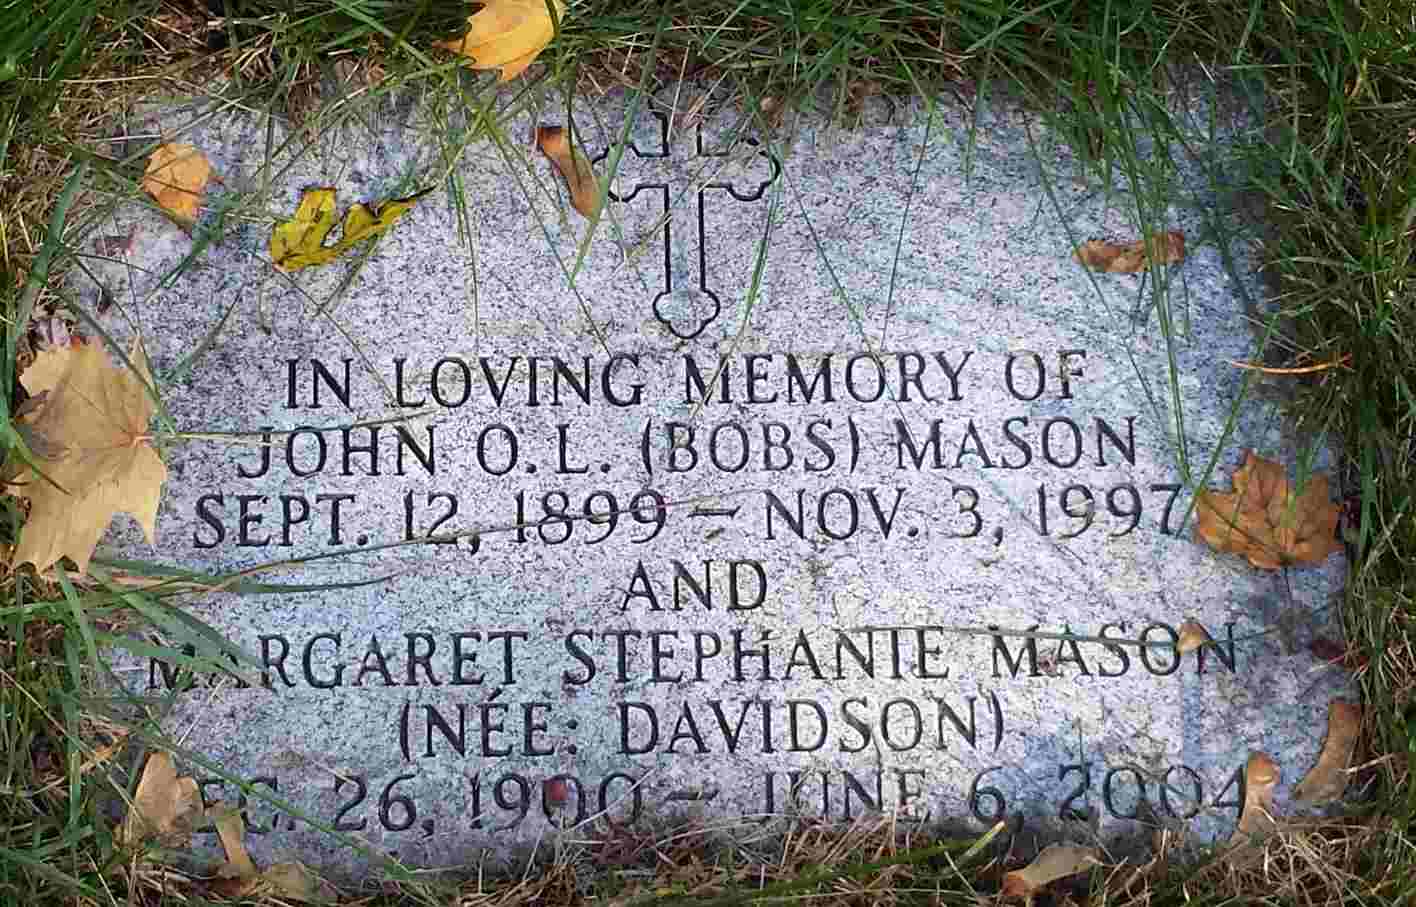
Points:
(1056, 861)
(90, 439)
(241, 877)
(556, 143)
(507, 35)
(1264, 521)
(231, 829)
(165, 806)
(176, 177)
(1328, 778)
(1116, 258)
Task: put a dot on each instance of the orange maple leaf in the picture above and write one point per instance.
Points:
(1264, 520)
(1130, 258)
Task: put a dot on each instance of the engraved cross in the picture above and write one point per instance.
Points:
(686, 301)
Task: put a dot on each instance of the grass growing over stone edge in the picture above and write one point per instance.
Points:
(1332, 184)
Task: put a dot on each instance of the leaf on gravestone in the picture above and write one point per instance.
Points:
(1116, 258)
(299, 242)
(90, 439)
(1193, 635)
(555, 143)
(1328, 778)
(164, 805)
(176, 177)
(1261, 776)
(507, 35)
(1263, 520)
(1055, 862)
(241, 877)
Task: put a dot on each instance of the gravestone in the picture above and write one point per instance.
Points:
(820, 481)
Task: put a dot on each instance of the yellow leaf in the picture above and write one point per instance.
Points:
(164, 805)
(90, 438)
(1328, 778)
(1055, 862)
(555, 142)
(176, 177)
(1261, 776)
(507, 35)
(1265, 522)
(1114, 258)
(299, 242)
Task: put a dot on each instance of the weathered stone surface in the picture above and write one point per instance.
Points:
(805, 564)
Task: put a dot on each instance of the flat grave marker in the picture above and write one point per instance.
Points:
(831, 484)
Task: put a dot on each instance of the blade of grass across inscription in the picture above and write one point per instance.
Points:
(175, 576)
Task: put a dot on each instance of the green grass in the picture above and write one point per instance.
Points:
(1329, 183)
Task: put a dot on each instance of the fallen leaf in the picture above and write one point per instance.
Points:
(1192, 636)
(1335, 654)
(176, 177)
(231, 830)
(1261, 776)
(507, 35)
(295, 880)
(299, 242)
(555, 792)
(164, 805)
(1265, 522)
(91, 440)
(1328, 778)
(241, 877)
(1327, 650)
(555, 143)
(1055, 862)
(1115, 258)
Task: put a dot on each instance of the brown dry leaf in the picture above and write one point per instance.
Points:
(1328, 778)
(176, 176)
(1193, 635)
(90, 438)
(240, 877)
(555, 143)
(1114, 258)
(1264, 521)
(231, 829)
(164, 806)
(1055, 862)
(507, 35)
(295, 880)
(1261, 776)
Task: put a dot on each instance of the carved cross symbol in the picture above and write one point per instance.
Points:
(684, 306)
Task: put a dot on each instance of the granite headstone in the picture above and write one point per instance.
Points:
(821, 480)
